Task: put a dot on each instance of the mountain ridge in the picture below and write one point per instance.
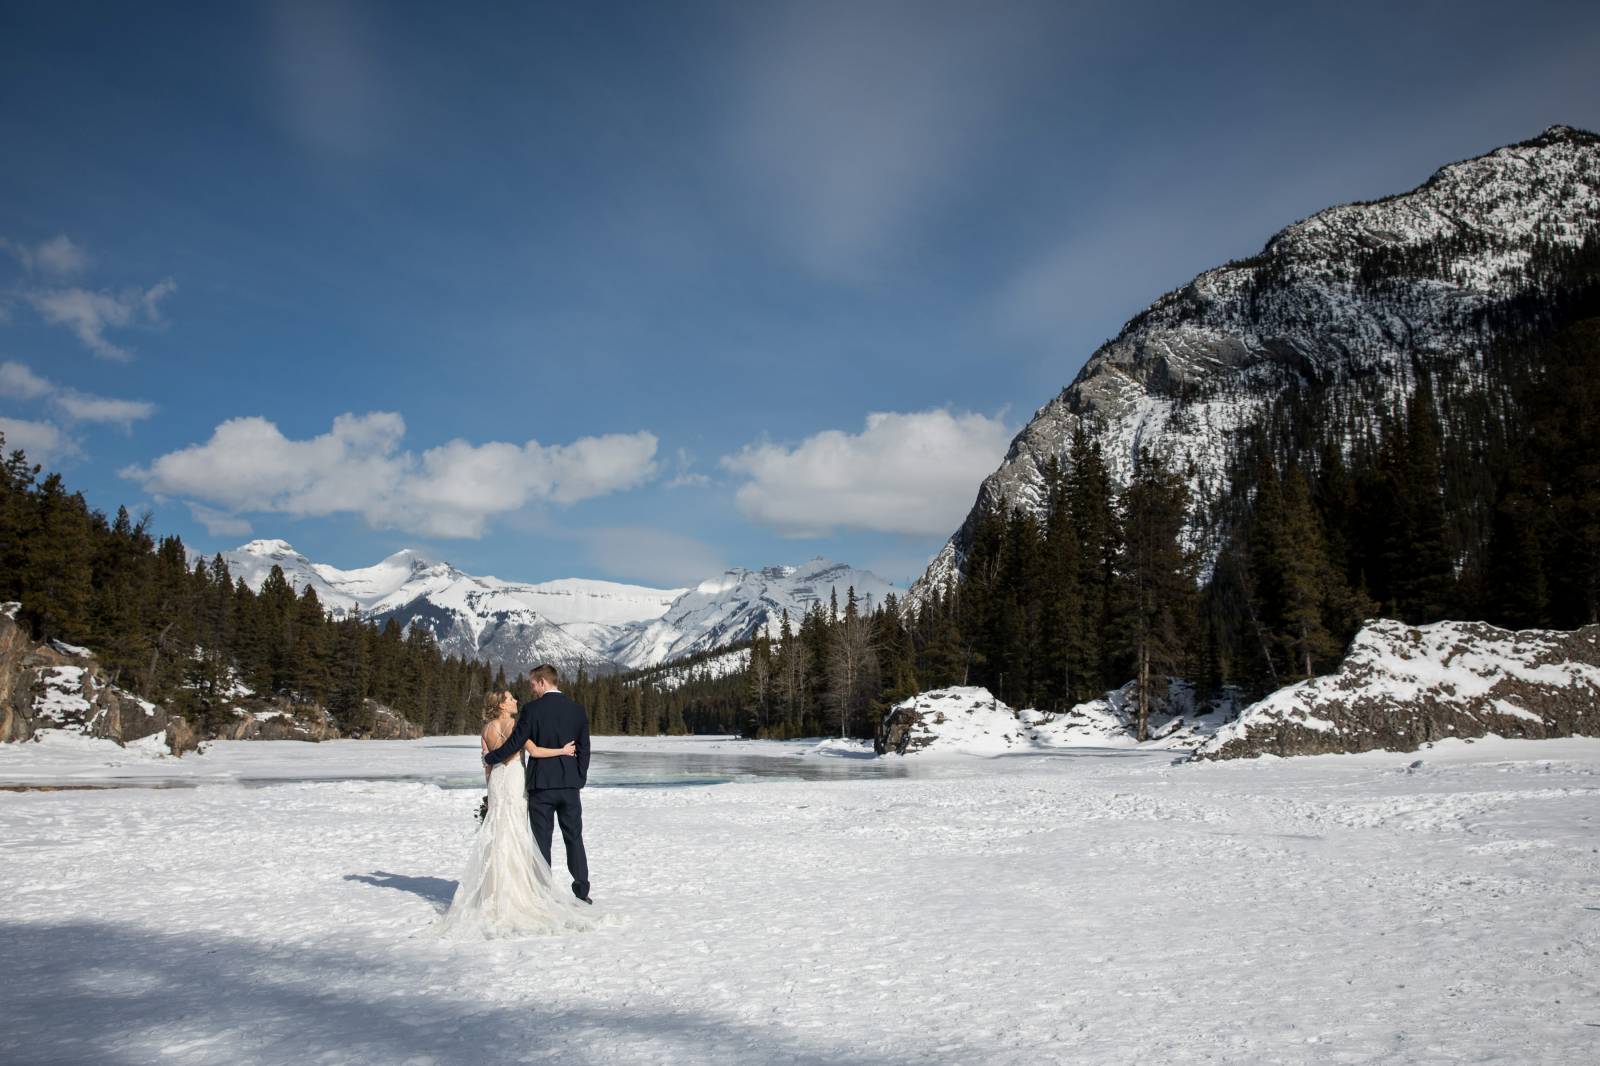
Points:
(1344, 300)
(571, 622)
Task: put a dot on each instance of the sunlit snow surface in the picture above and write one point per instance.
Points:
(1094, 907)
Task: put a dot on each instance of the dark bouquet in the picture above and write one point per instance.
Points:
(483, 810)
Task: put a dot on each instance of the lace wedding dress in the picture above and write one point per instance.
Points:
(507, 889)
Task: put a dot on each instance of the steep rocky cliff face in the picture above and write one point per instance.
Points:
(1402, 686)
(1344, 305)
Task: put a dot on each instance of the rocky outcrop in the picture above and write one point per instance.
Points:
(257, 718)
(1402, 686)
(16, 719)
(971, 721)
(61, 686)
(181, 737)
(381, 722)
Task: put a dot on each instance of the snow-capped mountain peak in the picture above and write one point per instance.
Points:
(740, 603)
(569, 621)
(268, 548)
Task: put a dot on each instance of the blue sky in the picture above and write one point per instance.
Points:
(640, 291)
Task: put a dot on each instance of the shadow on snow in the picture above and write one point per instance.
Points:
(89, 991)
(436, 890)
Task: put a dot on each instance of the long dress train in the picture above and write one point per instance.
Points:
(507, 888)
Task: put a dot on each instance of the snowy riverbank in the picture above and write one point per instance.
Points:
(63, 758)
(1435, 906)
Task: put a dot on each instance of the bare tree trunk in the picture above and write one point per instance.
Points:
(1144, 690)
(155, 652)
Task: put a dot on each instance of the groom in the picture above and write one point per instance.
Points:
(550, 720)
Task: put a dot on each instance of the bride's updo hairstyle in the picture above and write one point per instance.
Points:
(492, 702)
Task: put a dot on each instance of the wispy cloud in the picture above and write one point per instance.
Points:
(85, 407)
(89, 313)
(332, 92)
(360, 467)
(18, 381)
(903, 473)
(685, 476)
(853, 123)
(59, 255)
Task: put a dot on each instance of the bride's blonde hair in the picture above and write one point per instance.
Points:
(492, 702)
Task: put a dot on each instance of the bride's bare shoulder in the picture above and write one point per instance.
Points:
(495, 733)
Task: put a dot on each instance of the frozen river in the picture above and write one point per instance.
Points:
(770, 905)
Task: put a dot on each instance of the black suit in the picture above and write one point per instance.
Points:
(554, 783)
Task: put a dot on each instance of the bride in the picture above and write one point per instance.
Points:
(507, 889)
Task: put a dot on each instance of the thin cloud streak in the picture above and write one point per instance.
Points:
(854, 123)
(20, 382)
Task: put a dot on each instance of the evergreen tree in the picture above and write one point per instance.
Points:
(1155, 586)
(1092, 506)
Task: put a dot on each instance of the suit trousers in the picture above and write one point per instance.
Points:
(545, 805)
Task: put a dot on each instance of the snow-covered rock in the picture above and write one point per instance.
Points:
(1323, 305)
(969, 720)
(1402, 686)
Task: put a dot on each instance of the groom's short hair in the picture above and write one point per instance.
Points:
(546, 673)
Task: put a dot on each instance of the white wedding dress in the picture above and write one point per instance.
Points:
(507, 889)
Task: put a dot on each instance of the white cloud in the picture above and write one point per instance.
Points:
(45, 443)
(359, 467)
(19, 382)
(654, 556)
(85, 407)
(90, 313)
(59, 255)
(904, 473)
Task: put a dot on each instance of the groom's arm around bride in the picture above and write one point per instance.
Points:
(545, 718)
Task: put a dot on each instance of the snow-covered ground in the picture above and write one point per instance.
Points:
(1095, 907)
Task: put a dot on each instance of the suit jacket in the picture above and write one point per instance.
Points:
(549, 721)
